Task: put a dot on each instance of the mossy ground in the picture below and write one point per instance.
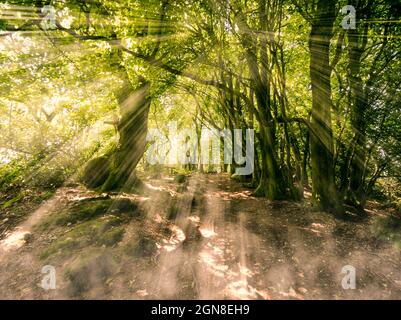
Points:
(89, 222)
(89, 271)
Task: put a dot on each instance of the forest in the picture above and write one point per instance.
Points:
(200, 149)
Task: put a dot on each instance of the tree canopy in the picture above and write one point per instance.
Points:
(83, 79)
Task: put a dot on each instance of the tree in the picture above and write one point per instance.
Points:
(322, 146)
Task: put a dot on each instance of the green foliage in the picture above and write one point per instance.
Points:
(10, 202)
(242, 65)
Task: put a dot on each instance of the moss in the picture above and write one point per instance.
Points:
(91, 222)
(125, 205)
(87, 210)
(102, 231)
(89, 270)
(65, 244)
(111, 237)
(96, 172)
(118, 181)
(84, 211)
(142, 247)
(78, 281)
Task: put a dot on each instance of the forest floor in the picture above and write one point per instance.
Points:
(205, 238)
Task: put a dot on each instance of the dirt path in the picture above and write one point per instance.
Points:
(218, 243)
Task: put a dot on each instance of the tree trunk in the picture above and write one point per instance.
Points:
(271, 182)
(322, 146)
(132, 128)
(358, 109)
(271, 179)
(305, 178)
